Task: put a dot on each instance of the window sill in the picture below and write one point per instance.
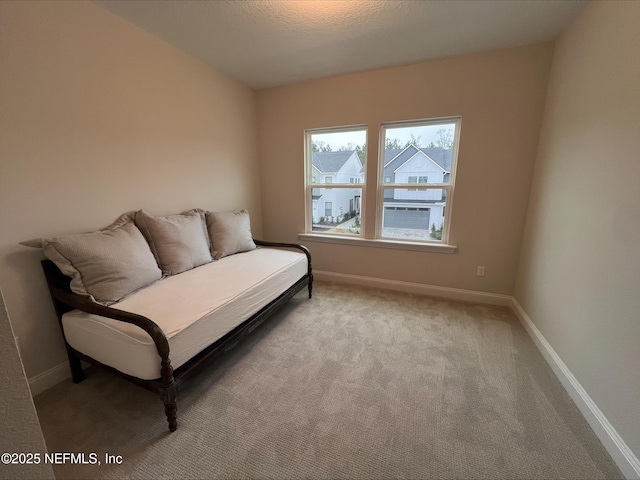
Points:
(393, 244)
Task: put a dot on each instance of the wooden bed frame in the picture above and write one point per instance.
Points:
(169, 382)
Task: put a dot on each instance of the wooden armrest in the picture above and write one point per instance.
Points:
(74, 300)
(297, 246)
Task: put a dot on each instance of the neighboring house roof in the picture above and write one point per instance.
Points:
(330, 162)
(439, 155)
(394, 158)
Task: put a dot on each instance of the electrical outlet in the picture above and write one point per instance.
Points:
(480, 271)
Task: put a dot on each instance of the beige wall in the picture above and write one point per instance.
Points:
(98, 117)
(500, 96)
(579, 275)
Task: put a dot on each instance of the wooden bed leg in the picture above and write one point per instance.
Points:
(170, 410)
(77, 374)
(169, 394)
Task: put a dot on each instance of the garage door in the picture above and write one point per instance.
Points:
(400, 217)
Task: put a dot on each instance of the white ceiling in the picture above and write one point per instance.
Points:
(264, 43)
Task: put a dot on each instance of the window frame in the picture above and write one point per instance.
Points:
(447, 187)
(310, 186)
(371, 235)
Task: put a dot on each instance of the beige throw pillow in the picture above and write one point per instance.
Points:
(179, 242)
(229, 233)
(105, 265)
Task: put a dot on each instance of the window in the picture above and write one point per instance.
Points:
(415, 183)
(337, 157)
(414, 179)
(417, 165)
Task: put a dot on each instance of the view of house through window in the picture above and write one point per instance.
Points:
(337, 158)
(416, 179)
(418, 164)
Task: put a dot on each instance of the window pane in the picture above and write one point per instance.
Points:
(413, 214)
(418, 153)
(336, 210)
(335, 157)
(338, 157)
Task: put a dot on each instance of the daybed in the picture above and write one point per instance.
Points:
(153, 298)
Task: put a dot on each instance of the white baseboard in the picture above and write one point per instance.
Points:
(420, 288)
(608, 436)
(47, 379)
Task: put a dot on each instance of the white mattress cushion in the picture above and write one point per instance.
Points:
(194, 309)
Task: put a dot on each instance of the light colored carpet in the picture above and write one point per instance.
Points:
(355, 383)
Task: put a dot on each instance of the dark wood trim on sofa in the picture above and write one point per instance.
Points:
(167, 385)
